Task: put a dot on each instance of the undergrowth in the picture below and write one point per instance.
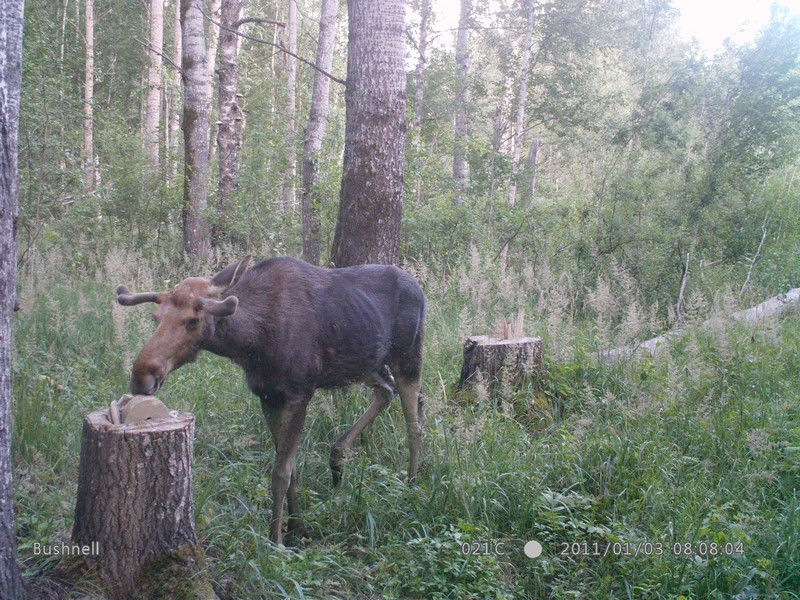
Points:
(697, 446)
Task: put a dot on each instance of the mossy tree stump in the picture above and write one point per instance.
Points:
(486, 359)
(135, 503)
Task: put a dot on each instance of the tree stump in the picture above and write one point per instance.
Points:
(486, 358)
(134, 535)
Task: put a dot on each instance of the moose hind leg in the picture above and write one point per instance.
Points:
(382, 397)
(409, 388)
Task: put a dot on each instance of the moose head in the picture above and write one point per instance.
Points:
(185, 317)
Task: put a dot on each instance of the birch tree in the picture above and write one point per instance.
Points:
(212, 41)
(371, 201)
(522, 94)
(153, 107)
(230, 113)
(89, 175)
(174, 113)
(288, 194)
(315, 131)
(460, 169)
(419, 73)
(196, 237)
(11, 583)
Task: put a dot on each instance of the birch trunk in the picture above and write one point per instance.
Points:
(88, 101)
(525, 69)
(153, 110)
(460, 171)
(371, 202)
(230, 114)
(419, 73)
(11, 583)
(196, 237)
(288, 194)
(315, 131)
(175, 115)
(211, 62)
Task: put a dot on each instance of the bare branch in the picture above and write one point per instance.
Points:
(241, 22)
(279, 47)
(161, 54)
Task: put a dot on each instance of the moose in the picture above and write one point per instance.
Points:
(293, 328)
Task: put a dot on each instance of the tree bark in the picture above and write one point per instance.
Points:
(11, 583)
(89, 175)
(153, 109)
(288, 193)
(135, 503)
(230, 114)
(315, 131)
(486, 359)
(371, 201)
(177, 84)
(525, 69)
(196, 235)
(460, 168)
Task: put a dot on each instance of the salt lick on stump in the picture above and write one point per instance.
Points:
(135, 502)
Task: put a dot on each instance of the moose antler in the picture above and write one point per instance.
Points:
(125, 297)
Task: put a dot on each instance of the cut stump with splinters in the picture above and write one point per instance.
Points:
(486, 358)
(135, 506)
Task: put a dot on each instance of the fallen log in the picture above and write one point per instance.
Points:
(775, 306)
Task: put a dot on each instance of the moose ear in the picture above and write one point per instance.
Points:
(220, 308)
(230, 274)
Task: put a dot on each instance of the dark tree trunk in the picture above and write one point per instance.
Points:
(371, 202)
(230, 114)
(135, 503)
(460, 171)
(11, 584)
(196, 236)
(315, 130)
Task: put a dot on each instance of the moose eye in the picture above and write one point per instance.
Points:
(192, 323)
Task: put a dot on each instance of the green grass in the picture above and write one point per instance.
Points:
(699, 445)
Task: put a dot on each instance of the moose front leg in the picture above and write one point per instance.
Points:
(285, 418)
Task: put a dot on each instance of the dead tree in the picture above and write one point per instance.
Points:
(230, 113)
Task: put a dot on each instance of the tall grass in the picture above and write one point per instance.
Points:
(697, 445)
